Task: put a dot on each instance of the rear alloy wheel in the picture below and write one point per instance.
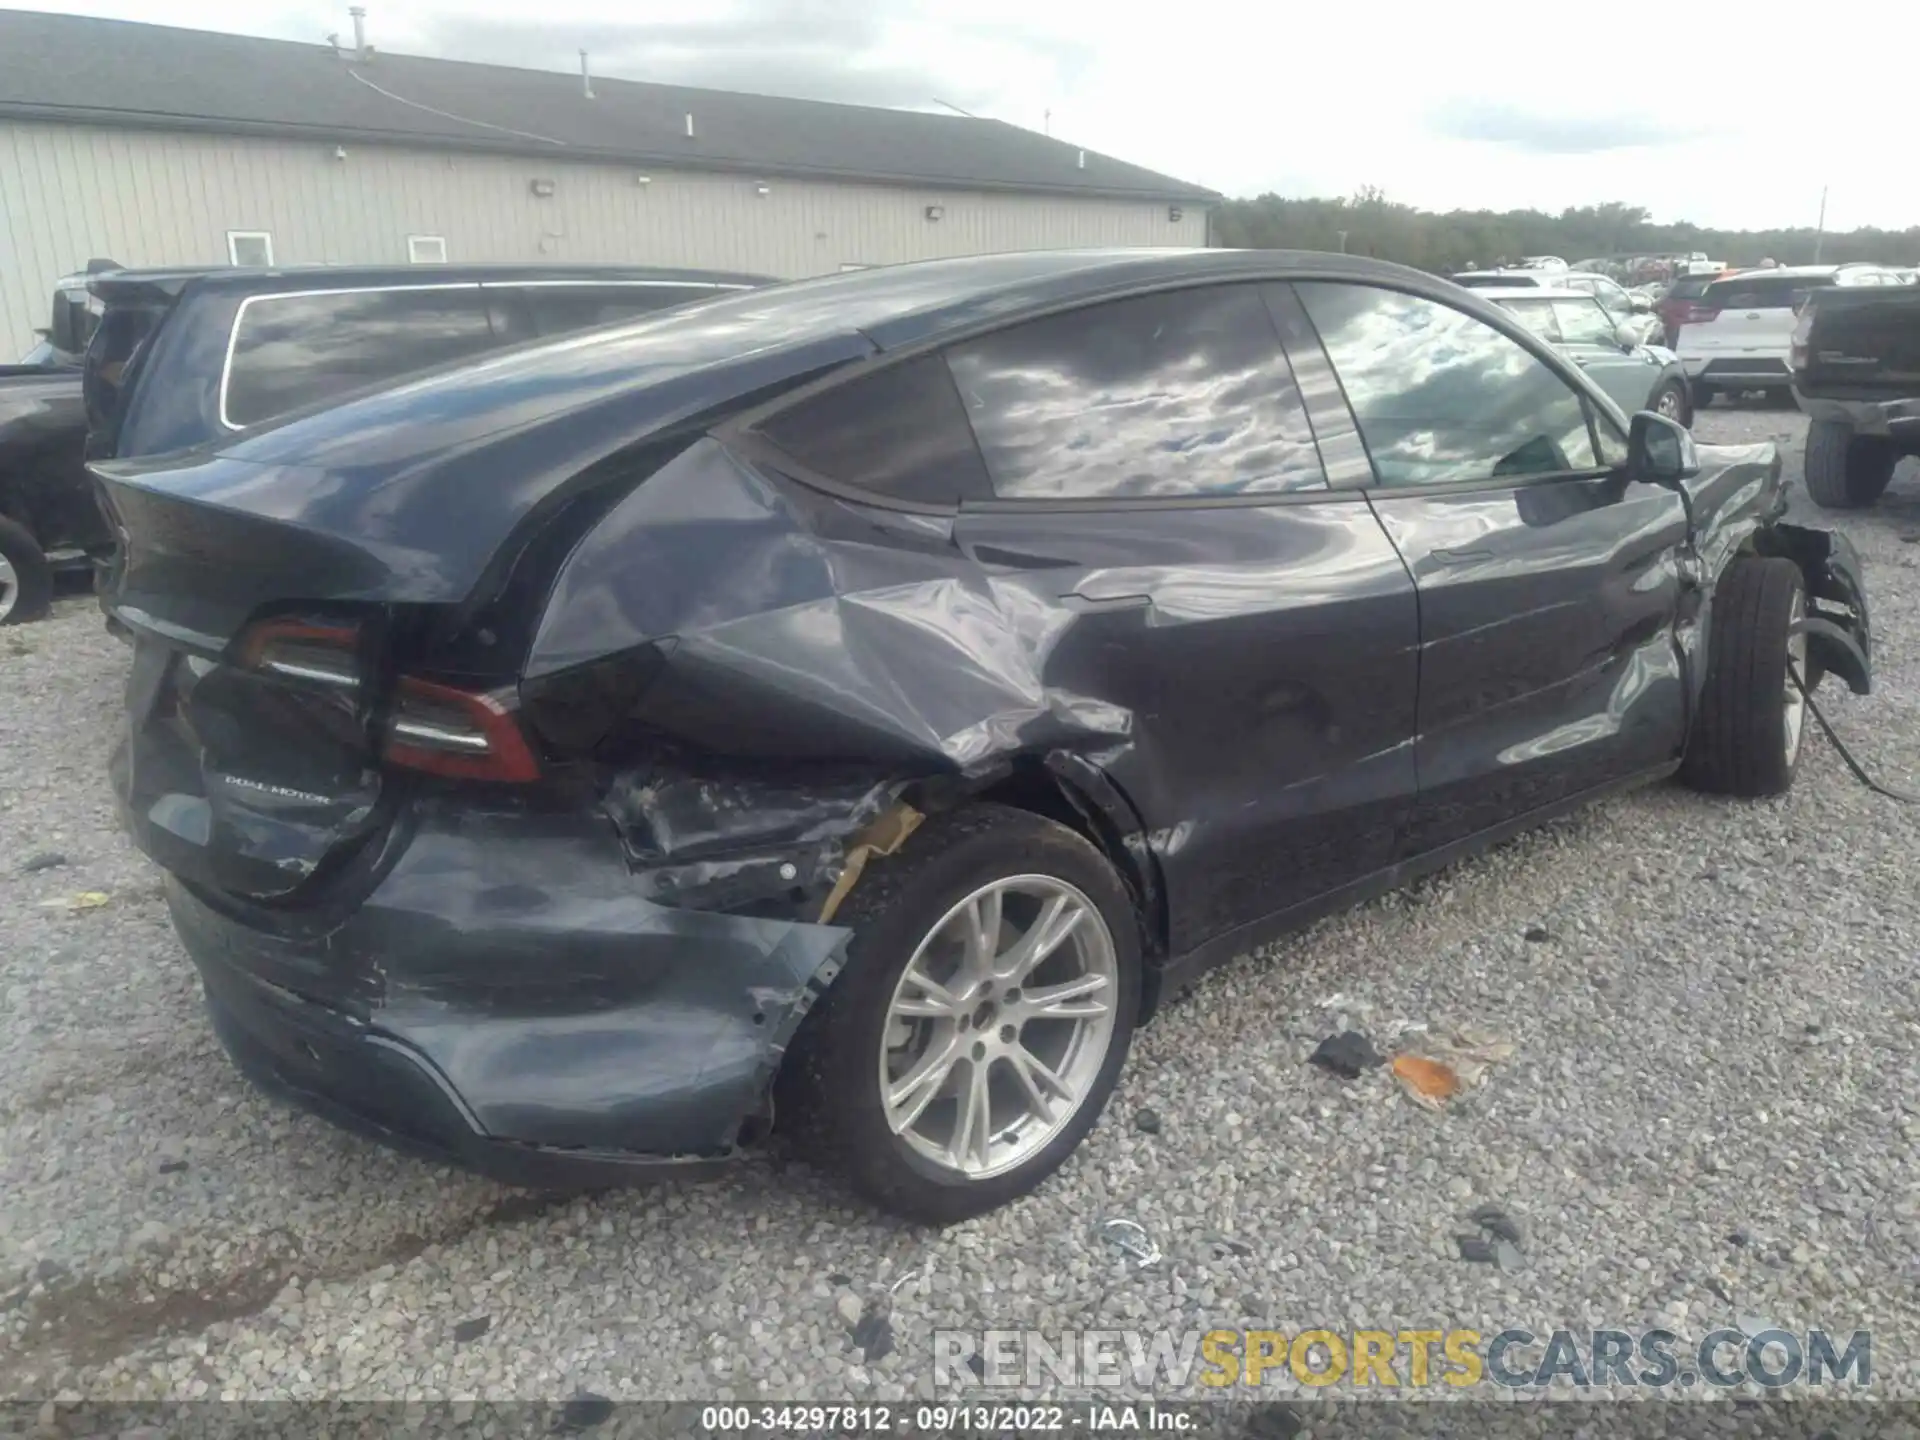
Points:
(1702, 395)
(1748, 735)
(1846, 471)
(1670, 400)
(980, 1024)
(26, 580)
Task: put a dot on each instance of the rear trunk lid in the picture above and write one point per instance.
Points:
(336, 608)
(1745, 316)
(1864, 341)
(239, 781)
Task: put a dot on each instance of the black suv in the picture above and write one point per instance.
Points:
(146, 362)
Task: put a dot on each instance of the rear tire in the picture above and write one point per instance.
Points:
(1702, 395)
(1750, 731)
(1846, 471)
(26, 579)
(831, 1088)
(1671, 400)
(1780, 395)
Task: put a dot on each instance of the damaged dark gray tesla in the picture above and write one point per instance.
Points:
(871, 695)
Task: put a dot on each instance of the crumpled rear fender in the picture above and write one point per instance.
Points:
(759, 673)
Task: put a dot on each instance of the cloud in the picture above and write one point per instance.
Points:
(862, 52)
(1500, 122)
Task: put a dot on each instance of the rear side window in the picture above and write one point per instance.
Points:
(1762, 292)
(1583, 322)
(296, 350)
(1441, 397)
(1185, 393)
(899, 432)
(1536, 315)
(1690, 287)
(561, 309)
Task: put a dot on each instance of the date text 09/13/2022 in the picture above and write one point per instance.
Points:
(956, 1417)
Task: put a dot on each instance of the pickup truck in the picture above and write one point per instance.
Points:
(148, 362)
(1855, 358)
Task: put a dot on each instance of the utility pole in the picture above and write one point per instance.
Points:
(1343, 240)
(1047, 122)
(1820, 230)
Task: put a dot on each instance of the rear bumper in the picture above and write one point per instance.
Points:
(503, 1002)
(1897, 420)
(1755, 371)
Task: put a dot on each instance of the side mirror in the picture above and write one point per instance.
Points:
(1626, 335)
(1660, 451)
(1641, 303)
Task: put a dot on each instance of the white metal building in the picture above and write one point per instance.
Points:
(151, 145)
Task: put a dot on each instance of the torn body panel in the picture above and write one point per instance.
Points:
(504, 977)
(1242, 679)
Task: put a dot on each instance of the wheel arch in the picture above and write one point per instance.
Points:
(1074, 790)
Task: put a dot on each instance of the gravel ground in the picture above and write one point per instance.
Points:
(1710, 1114)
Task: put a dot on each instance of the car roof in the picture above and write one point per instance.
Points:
(278, 278)
(779, 331)
(1532, 292)
(1786, 272)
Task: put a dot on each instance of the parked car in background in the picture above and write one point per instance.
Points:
(1737, 335)
(1677, 301)
(1636, 376)
(1619, 303)
(879, 691)
(142, 362)
(1856, 373)
(43, 492)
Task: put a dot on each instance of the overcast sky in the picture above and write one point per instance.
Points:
(1724, 121)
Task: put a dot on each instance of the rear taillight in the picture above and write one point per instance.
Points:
(315, 653)
(1697, 314)
(436, 728)
(1802, 332)
(462, 734)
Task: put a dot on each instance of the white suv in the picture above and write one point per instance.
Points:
(1736, 336)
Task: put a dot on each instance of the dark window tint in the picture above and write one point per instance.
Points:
(297, 350)
(1441, 397)
(1762, 292)
(1183, 393)
(559, 309)
(899, 431)
(1493, 282)
(1689, 287)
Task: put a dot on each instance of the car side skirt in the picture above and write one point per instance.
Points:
(1186, 969)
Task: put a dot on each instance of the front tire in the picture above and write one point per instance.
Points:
(948, 1070)
(1749, 733)
(26, 579)
(1846, 471)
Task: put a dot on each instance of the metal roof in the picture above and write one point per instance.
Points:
(115, 72)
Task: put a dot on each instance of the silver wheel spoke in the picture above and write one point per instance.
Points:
(914, 1091)
(934, 1002)
(1069, 1000)
(973, 1122)
(1043, 1087)
(1055, 923)
(958, 1083)
(980, 925)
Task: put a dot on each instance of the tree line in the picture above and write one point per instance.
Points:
(1367, 223)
